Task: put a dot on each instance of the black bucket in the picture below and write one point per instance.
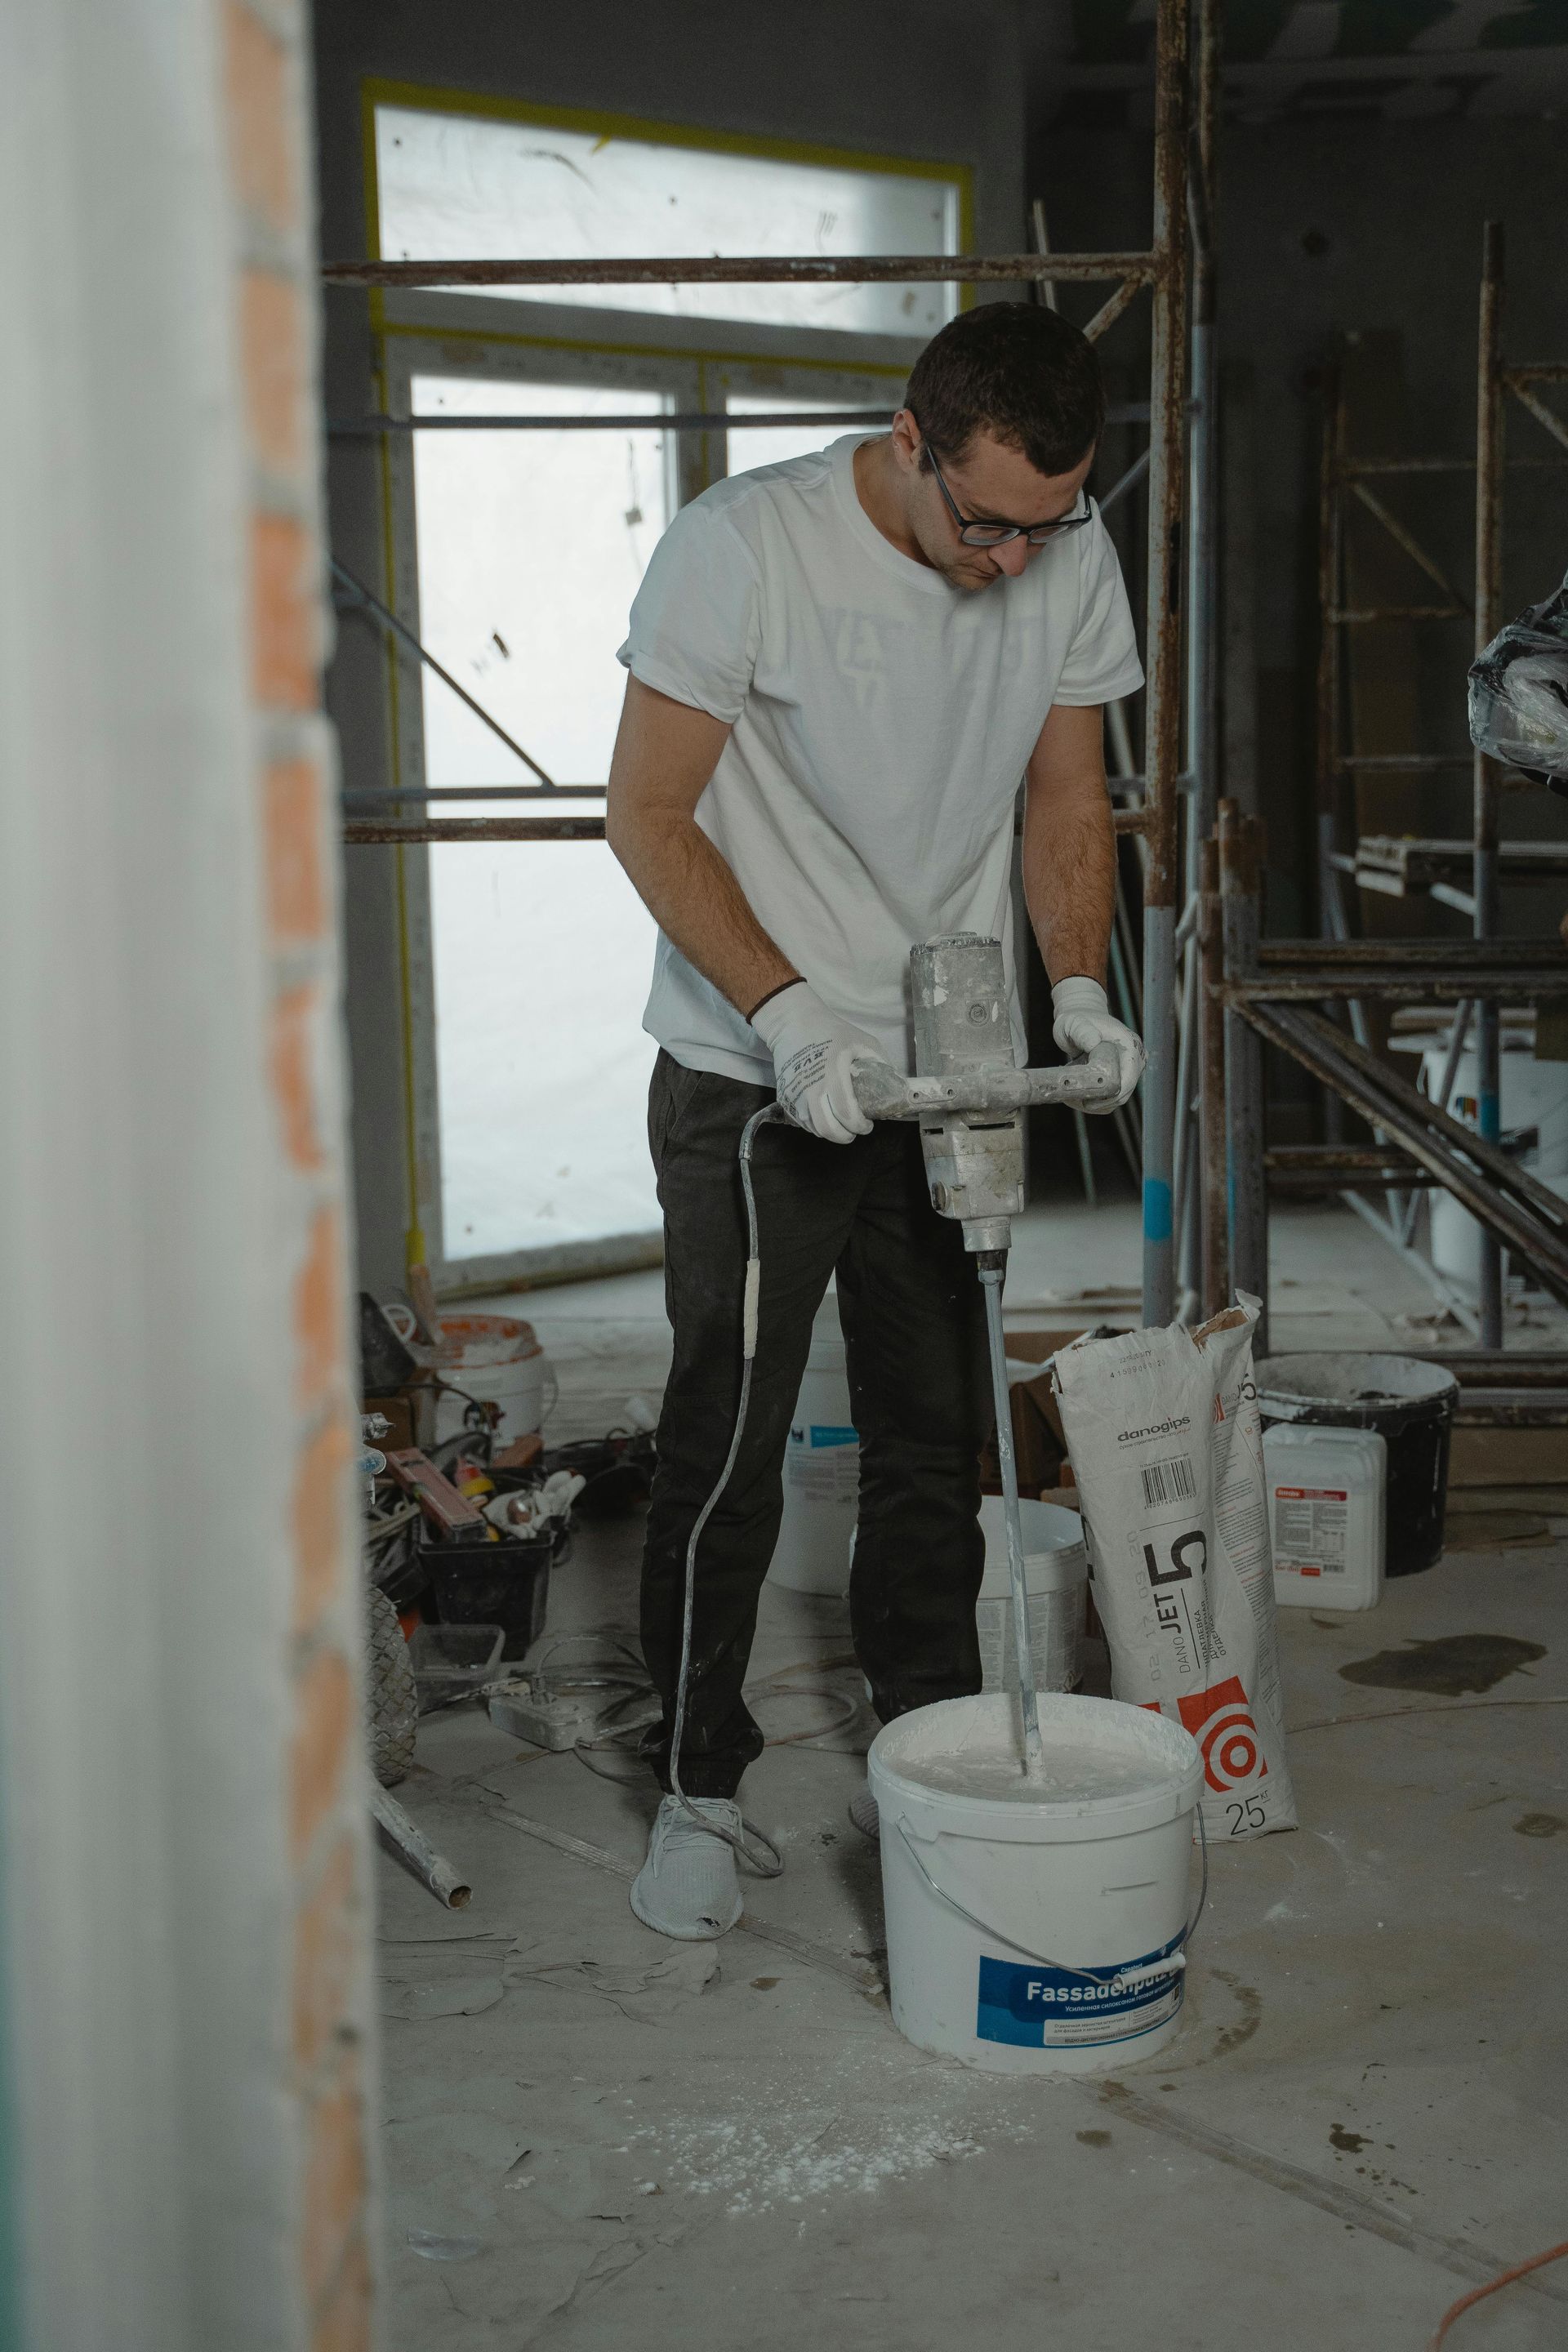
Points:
(505, 1584)
(1410, 1405)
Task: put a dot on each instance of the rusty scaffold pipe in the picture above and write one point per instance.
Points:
(1489, 438)
(751, 269)
(1161, 758)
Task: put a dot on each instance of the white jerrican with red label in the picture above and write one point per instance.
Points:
(1325, 1489)
(1167, 1449)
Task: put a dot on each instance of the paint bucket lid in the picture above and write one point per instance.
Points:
(956, 1770)
(1355, 1391)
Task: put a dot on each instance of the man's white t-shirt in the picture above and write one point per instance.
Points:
(881, 724)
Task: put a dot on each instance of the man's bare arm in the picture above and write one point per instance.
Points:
(664, 754)
(1069, 846)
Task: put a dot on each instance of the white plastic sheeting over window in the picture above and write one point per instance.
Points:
(532, 546)
(464, 187)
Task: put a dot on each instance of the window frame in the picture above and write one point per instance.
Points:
(695, 363)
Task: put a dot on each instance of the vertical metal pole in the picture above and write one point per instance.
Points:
(1203, 599)
(1240, 882)
(1186, 1154)
(1215, 1217)
(1167, 397)
(1330, 529)
(1327, 745)
(1488, 601)
(1202, 555)
(1045, 287)
(992, 1270)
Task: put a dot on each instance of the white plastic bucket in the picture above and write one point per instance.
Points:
(496, 1359)
(1036, 1934)
(1056, 1571)
(821, 1478)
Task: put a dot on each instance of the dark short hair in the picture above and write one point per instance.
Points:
(1019, 372)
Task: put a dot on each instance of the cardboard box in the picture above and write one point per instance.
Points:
(1038, 1442)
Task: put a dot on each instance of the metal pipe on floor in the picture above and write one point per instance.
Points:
(408, 1841)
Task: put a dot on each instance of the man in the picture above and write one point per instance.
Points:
(842, 667)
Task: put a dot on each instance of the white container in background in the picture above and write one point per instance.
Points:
(495, 1359)
(1036, 1928)
(1534, 1111)
(1056, 1571)
(821, 1477)
(1326, 1514)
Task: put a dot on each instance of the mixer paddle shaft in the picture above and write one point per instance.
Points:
(990, 1281)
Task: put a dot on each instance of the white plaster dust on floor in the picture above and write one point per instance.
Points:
(1369, 2075)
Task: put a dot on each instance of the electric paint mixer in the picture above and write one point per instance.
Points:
(970, 1099)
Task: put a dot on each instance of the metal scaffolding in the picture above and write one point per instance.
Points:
(1414, 1147)
(1163, 269)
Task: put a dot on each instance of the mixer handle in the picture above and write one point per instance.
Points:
(1087, 1084)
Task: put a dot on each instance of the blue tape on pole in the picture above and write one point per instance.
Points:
(1156, 1210)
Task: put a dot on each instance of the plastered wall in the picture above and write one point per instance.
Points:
(183, 1838)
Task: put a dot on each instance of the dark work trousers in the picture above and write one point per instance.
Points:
(914, 1323)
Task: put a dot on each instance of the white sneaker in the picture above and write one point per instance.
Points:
(689, 1886)
(863, 1813)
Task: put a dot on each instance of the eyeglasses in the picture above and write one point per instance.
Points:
(997, 534)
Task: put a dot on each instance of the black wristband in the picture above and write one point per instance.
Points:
(798, 982)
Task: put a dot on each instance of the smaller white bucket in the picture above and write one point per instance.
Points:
(1056, 1571)
(821, 1477)
(496, 1359)
(1035, 1933)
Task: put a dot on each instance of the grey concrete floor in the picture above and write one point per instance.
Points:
(595, 2138)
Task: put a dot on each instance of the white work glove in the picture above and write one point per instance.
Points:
(814, 1053)
(1083, 1021)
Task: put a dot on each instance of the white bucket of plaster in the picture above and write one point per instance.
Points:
(1056, 1571)
(1035, 1928)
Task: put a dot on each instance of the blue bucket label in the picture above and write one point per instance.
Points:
(1058, 2009)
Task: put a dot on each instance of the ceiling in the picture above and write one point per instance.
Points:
(1401, 59)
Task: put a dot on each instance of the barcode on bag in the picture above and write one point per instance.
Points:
(1168, 1482)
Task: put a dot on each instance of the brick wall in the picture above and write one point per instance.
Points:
(267, 140)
